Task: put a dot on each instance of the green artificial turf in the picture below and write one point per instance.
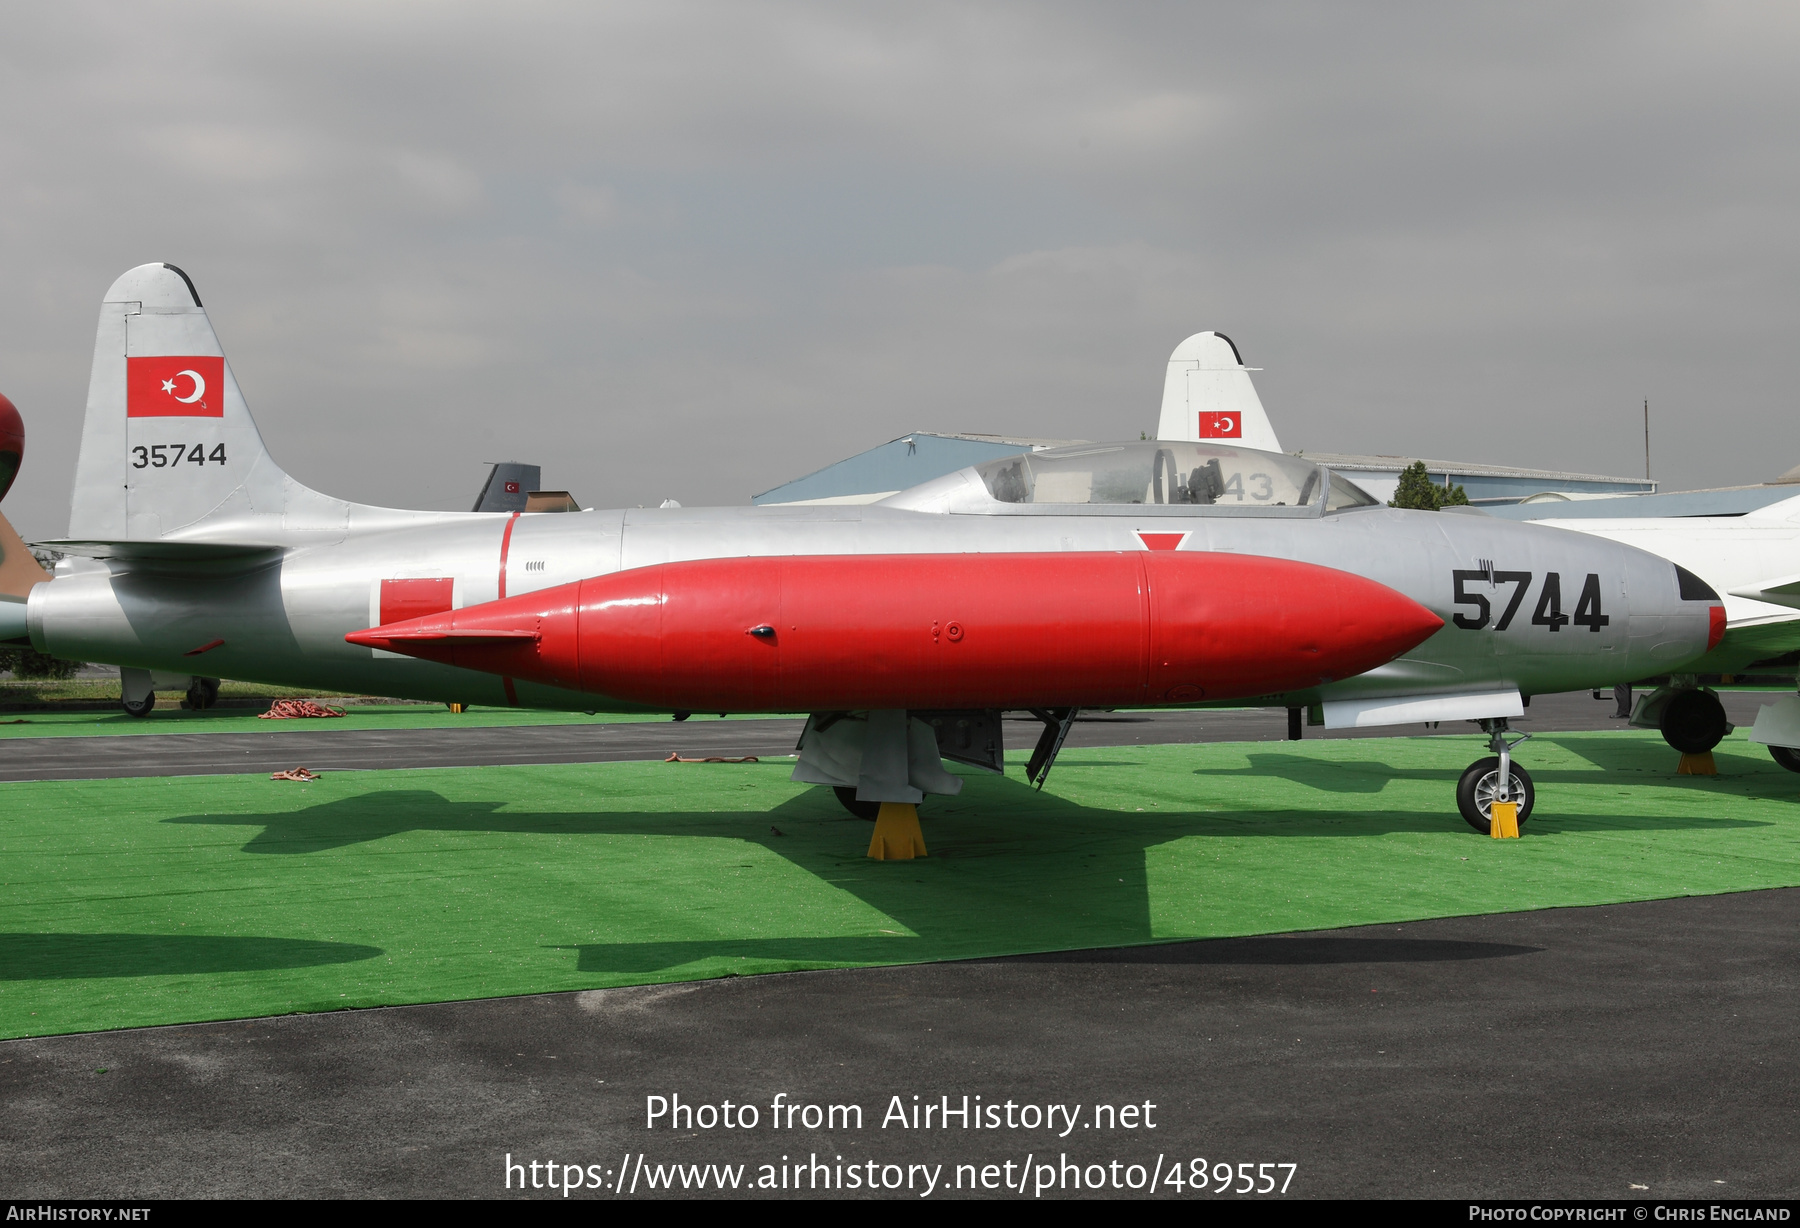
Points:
(144, 901)
(356, 716)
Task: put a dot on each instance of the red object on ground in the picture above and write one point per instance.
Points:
(824, 633)
(296, 709)
(12, 444)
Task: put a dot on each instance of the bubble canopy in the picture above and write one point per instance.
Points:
(1190, 476)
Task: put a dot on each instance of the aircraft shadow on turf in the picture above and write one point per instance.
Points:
(1011, 869)
(957, 828)
(1740, 761)
(66, 957)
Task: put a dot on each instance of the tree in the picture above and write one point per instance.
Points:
(1417, 490)
(28, 663)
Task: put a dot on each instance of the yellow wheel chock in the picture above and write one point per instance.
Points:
(897, 836)
(1698, 765)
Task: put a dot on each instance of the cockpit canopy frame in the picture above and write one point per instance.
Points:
(1168, 477)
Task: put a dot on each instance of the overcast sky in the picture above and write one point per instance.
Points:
(692, 251)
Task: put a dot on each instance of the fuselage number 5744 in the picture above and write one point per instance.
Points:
(1548, 612)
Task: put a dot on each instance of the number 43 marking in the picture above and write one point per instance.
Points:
(1548, 613)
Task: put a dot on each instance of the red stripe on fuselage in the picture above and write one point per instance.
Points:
(505, 548)
(512, 696)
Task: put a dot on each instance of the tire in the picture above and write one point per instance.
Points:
(203, 693)
(862, 810)
(140, 708)
(1694, 721)
(1474, 793)
(1786, 756)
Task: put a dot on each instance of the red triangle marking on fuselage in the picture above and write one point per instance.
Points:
(1161, 541)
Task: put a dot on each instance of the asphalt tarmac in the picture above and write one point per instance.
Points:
(1638, 1050)
(324, 749)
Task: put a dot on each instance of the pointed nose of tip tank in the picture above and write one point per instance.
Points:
(1386, 622)
(1303, 624)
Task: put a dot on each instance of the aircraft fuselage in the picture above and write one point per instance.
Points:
(1539, 609)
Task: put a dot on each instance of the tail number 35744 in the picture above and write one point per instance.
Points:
(1547, 613)
(164, 455)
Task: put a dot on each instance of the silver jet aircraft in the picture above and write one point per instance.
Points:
(1131, 574)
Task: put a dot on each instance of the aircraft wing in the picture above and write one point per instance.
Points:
(1785, 591)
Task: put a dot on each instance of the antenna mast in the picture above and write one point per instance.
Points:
(1646, 439)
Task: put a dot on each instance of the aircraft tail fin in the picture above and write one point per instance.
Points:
(508, 483)
(1208, 395)
(168, 441)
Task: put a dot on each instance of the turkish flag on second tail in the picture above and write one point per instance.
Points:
(175, 387)
(1226, 425)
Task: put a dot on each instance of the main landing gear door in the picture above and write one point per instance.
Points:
(968, 736)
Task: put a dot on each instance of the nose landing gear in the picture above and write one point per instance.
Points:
(1495, 778)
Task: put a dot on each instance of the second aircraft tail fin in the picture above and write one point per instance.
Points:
(507, 486)
(1208, 395)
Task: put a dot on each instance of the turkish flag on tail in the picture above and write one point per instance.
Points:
(175, 387)
(1226, 425)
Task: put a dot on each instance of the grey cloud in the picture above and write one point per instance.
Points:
(693, 250)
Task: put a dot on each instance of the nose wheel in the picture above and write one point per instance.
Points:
(1479, 789)
(1495, 778)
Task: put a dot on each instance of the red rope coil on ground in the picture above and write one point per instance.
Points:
(295, 709)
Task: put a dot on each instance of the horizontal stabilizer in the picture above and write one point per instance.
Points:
(167, 551)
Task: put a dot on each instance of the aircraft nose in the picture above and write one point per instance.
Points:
(1691, 588)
